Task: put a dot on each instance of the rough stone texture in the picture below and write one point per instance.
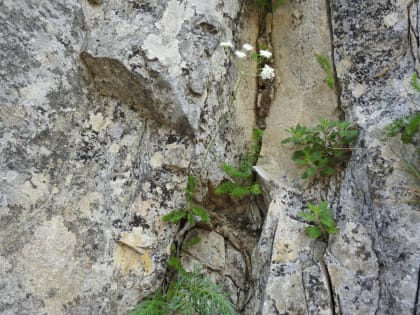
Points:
(105, 106)
(300, 30)
(372, 265)
(374, 63)
(287, 273)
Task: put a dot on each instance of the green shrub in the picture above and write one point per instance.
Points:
(191, 211)
(188, 294)
(239, 185)
(322, 149)
(325, 64)
(323, 218)
(407, 127)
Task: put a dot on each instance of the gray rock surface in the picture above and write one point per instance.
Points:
(105, 107)
(372, 265)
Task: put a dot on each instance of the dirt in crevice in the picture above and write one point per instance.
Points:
(265, 88)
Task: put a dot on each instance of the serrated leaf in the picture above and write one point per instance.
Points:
(313, 231)
(174, 216)
(307, 216)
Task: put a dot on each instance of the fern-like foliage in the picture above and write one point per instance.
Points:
(191, 212)
(325, 64)
(189, 293)
(238, 186)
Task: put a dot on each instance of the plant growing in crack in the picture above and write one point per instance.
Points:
(408, 127)
(189, 293)
(325, 64)
(191, 211)
(322, 149)
(239, 185)
(323, 219)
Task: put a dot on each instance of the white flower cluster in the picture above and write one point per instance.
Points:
(267, 72)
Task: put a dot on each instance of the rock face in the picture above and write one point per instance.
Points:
(107, 106)
(372, 265)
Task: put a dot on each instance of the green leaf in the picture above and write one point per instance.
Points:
(307, 216)
(332, 229)
(298, 156)
(309, 172)
(330, 82)
(225, 188)
(174, 216)
(327, 171)
(415, 82)
(175, 263)
(239, 191)
(235, 173)
(190, 218)
(255, 189)
(313, 231)
(190, 188)
(199, 211)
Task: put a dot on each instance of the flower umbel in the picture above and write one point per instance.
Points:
(226, 44)
(265, 53)
(267, 73)
(247, 47)
(240, 54)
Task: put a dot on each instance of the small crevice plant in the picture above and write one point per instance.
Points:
(408, 127)
(189, 293)
(325, 64)
(323, 219)
(322, 149)
(239, 185)
(191, 211)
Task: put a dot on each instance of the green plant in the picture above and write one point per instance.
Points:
(407, 127)
(322, 149)
(323, 218)
(189, 293)
(325, 64)
(191, 211)
(415, 82)
(239, 186)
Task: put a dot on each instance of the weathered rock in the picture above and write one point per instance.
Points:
(105, 108)
(371, 266)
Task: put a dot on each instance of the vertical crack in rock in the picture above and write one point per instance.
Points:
(331, 294)
(337, 86)
(265, 88)
(416, 301)
(413, 31)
